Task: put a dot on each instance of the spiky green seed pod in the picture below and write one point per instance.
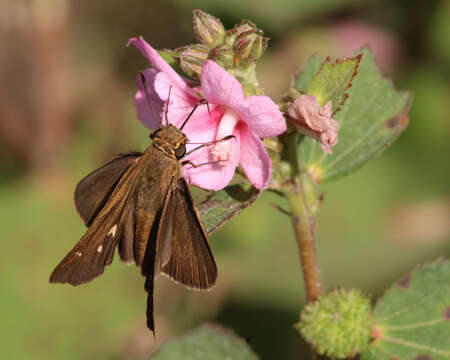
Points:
(338, 324)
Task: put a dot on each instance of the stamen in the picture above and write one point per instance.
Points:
(223, 151)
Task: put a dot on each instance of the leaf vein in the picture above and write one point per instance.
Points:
(416, 346)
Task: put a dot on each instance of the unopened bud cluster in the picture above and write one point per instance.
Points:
(237, 50)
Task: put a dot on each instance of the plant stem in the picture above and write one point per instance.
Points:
(301, 194)
(303, 221)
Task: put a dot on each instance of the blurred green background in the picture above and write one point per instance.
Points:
(66, 107)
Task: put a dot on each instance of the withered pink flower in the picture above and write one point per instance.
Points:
(314, 120)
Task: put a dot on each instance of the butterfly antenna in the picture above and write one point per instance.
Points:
(200, 102)
(141, 75)
(167, 106)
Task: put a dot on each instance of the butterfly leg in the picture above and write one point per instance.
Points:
(189, 162)
(210, 143)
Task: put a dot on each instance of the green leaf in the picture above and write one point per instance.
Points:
(332, 80)
(209, 342)
(222, 205)
(412, 319)
(372, 117)
(302, 81)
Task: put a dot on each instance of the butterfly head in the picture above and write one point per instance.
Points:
(171, 140)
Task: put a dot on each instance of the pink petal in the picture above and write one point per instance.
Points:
(212, 176)
(262, 116)
(181, 102)
(158, 62)
(219, 86)
(254, 159)
(148, 104)
(201, 128)
(328, 109)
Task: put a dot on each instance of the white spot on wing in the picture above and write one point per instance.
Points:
(112, 231)
(78, 253)
(99, 249)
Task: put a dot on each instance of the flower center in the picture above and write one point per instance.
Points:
(224, 150)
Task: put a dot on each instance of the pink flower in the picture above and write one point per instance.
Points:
(247, 118)
(315, 121)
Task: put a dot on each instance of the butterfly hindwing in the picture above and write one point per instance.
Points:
(94, 190)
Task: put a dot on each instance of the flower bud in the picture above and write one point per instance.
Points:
(250, 45)
(208, 28)
(192, 58)
(242, 27)
(223, 55)
(314, 120)
(339, 324)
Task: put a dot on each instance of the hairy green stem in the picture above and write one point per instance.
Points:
(301, 194)
(303, 222)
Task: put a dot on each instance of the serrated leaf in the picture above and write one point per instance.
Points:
(302, 81)
(222, 205)
(209, 342)
(371, 118)
(332, 80)
(412, 319)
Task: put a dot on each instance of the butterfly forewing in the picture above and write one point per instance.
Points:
(94, 190)
(164, 234)
(126, 245)
(191, 261)
(181, 248)
(95, 250)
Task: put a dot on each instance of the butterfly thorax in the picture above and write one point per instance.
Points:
(168, 139)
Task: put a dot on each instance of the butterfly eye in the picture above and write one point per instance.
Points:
(180, 151)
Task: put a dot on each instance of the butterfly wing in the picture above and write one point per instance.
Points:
(94, 190)
(189, 259)
(96, 248)
(181, 249)
(142, 214)
(151, 262)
